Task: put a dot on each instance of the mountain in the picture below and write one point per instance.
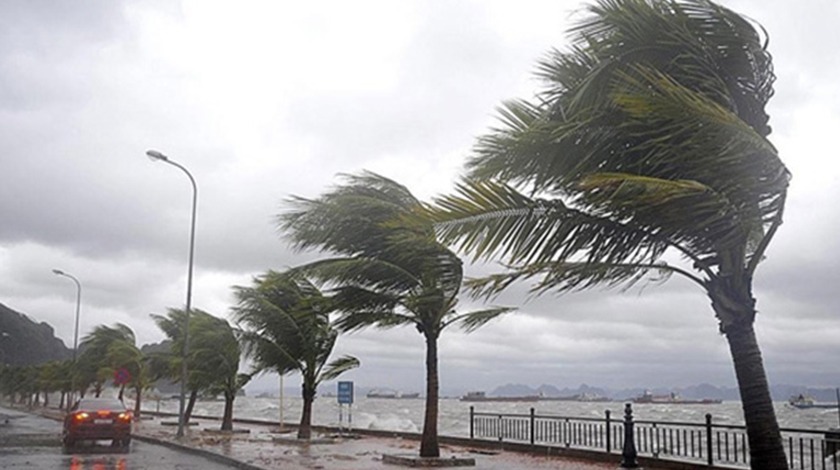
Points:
(25, 342)
(513, 390)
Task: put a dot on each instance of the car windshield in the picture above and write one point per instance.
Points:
(100, 404)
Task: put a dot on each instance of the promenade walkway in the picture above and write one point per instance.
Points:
(262, 446)
(265, 447)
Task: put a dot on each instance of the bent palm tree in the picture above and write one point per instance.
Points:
(207, 365)
(94, 361)
(650, 137)
(391, 271)
(122, 354)
(215, 347)
(287, 328)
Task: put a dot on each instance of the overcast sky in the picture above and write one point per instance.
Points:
(261, 100)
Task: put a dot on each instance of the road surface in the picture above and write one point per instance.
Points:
(33, 442)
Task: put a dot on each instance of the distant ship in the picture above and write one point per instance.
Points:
(391, 394)
(673, 399)
(804, 402)
(584, 397)
(481, 396)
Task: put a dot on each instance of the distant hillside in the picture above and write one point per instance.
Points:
(24, 342)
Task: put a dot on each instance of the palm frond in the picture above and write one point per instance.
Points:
(472, 321)
(569, 276)
(371, 273)
(338, 367)
(687, 213)
(357, 318)
(352, 219)
(491, 219)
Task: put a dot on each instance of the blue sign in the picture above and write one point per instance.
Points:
(345, 393)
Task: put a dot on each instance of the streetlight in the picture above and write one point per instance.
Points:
(155, 155)
(59, 272)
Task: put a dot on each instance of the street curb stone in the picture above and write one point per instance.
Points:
(196, 451)
(170, 444)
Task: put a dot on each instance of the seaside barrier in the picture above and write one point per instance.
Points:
(708, 443)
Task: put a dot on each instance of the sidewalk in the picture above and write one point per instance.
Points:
(263, 446)
(258, 446)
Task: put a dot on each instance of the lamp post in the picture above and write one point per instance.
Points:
(155, 155)
(59, 272)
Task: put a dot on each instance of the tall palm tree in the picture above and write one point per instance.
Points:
(389, 271)
(287, 328)
(650, 137)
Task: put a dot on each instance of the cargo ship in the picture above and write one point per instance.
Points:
(673, 399)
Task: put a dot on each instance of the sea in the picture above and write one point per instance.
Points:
(406, 414)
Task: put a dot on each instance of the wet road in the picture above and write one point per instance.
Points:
(33, 442)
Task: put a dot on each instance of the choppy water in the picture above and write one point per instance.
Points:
(407, 414)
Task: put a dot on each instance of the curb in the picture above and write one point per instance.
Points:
(196, 451)
(224, 459)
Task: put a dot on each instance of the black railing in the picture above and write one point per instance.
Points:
(705, 443)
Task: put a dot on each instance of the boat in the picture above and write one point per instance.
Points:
(481, 396)
(672, 399)
(391, 394)
(581, 397)
(804, 402)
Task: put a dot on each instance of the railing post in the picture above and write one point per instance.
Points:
(472, 422)
(709, 456)
(533, 427)
(628, 454)
(609, 433)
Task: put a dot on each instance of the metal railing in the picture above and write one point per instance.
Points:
(704, 443)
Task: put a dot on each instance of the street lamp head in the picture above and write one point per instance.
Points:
(155, 155)
(58, 271)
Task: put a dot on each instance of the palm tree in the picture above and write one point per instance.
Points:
(201, 361)
(66, 369)
(50, 377)
(125, 355)
(390, 270)
(214, 346)
(94, 361)
(649, 138)
(286, 328)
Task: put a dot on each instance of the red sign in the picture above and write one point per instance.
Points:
(121, 376)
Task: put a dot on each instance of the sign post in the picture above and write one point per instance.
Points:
(345, 397)
(282, 419)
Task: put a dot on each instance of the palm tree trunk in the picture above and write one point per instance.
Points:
(766, 448)
(190, 405)
(305, 428)
(137, 391)
(227, 416)
(429, 442)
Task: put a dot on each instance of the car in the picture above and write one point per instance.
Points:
(95, 419)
